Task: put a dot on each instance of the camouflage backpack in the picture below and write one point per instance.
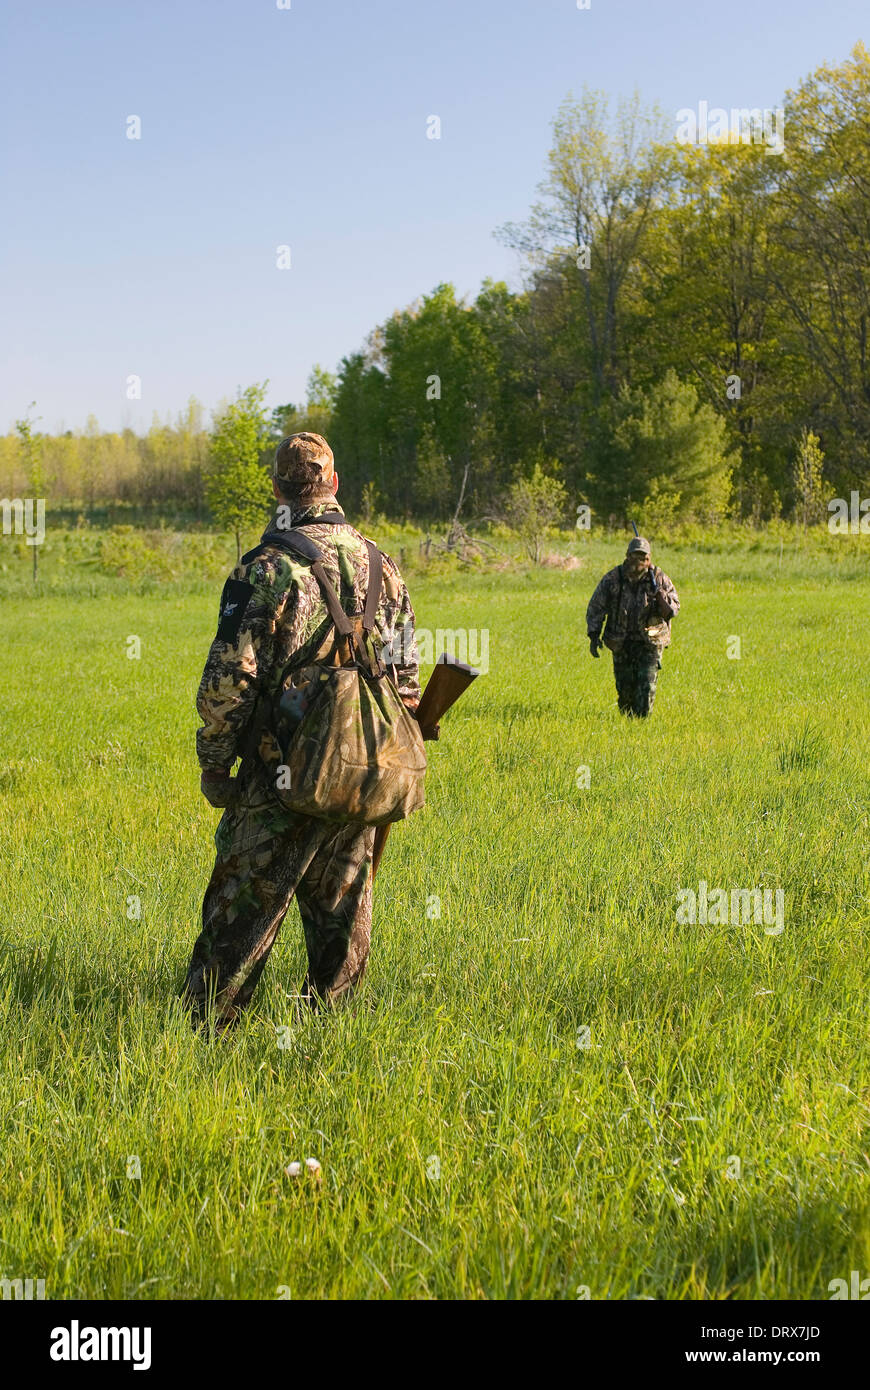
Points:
(350, 750)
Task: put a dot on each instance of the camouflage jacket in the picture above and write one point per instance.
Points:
(630, 609)
(272, 615)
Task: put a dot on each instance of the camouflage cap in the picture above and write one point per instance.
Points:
(638, 543)
(304, 467)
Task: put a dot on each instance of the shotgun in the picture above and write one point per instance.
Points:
(448, 681)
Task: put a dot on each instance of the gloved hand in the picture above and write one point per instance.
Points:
(217, 786)
(595, 643)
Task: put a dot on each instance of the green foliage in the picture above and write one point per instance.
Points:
(425, 377)
(808, 464)
(238, 489)
(358, 427)
(321, 388)
(31, 445)
(283, 420)
(315, 415)
(659, 510)
(369, 503)
(96, 561)
(822, 271)
(136, 555)
(432, 480)
(672, 450)
(92, 468)
(31, 448)
(534, 504)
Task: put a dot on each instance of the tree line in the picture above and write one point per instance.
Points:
(691, 337)
(690, 340)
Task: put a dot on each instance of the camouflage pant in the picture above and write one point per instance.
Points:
(265, 855)
(636, 669)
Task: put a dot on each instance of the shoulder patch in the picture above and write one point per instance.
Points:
(234, 603)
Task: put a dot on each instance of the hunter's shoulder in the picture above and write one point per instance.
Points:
(269, 566)
(391, 569)
(339, 531)
(390, 566)
(394, 583)
(611, 578)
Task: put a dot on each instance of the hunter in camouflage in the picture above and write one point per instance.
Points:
(273, 617)
(637, 600)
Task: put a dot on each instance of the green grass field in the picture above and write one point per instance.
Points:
(708, 1137)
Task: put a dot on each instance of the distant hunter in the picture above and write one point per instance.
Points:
(633, 605)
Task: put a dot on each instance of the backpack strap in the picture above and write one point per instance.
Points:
(302, 544)
(373, 593)
(293, 542)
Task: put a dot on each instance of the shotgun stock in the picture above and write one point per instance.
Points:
(448, 681)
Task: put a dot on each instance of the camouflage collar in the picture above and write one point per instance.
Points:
(297, 515)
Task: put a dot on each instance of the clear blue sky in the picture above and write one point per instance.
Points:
(305, 126)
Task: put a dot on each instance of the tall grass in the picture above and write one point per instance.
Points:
(615, 1102)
